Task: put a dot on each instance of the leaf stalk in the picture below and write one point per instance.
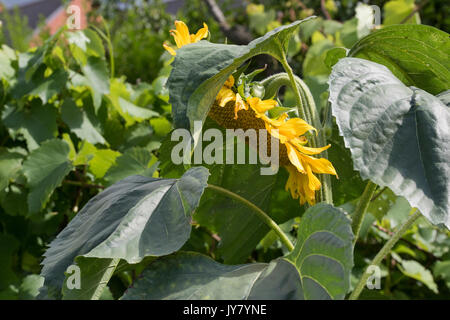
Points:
(260, 213)
(414, 215)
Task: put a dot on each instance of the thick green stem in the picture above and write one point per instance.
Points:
(361, 208)
(296, 88)
(261, 214)
(385, 251)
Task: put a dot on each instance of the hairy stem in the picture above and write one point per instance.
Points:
(361, 208)
(295, 87)
(261, 214)
(385, 251)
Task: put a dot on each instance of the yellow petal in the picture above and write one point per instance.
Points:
(298, 185)
(294, 128)
(230, 82)
(239, 105)
(321, 165)
(182, 33)
(201, 33)
(294, 157)
(279, 121)
(313, 181)
(299, 141)
(261, 106)
(224, 96)
(308, 150)
(178, 39)
(170, 49)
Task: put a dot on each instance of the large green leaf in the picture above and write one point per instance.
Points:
(399, 137)
(95, 274)
(318, 268)
(46, 88)
(133, 218)
(85, 43)
(45, 169)
(97, 78)
(120, 96)
(6, 69)
(10, 165)
(349, 186)
(36, 124)
(82, 123)
(417, 54)
(200, 70)
(134, 161)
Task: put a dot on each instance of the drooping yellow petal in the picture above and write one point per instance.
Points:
(294, 157)
(170, 49)
(321, 165)
(309, 193)
(292, 182)
(224, 96)
(298, 185)
(230, 82)
(294, 128)
(309, 150)
(239, 105)
(299, 141)
(201, 33)
(279, 121)
(261, 106)
(313, 182)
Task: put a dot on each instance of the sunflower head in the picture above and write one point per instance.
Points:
(233, 111)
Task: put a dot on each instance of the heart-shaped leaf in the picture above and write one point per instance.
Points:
(399, 137)
(200, 70)
(45, 170)
(318, 268)
(134, 218)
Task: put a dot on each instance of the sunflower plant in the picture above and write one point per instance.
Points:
(190, 230)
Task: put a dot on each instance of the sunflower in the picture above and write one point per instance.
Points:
(295, 156)
(232, 111)
(182, 37)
